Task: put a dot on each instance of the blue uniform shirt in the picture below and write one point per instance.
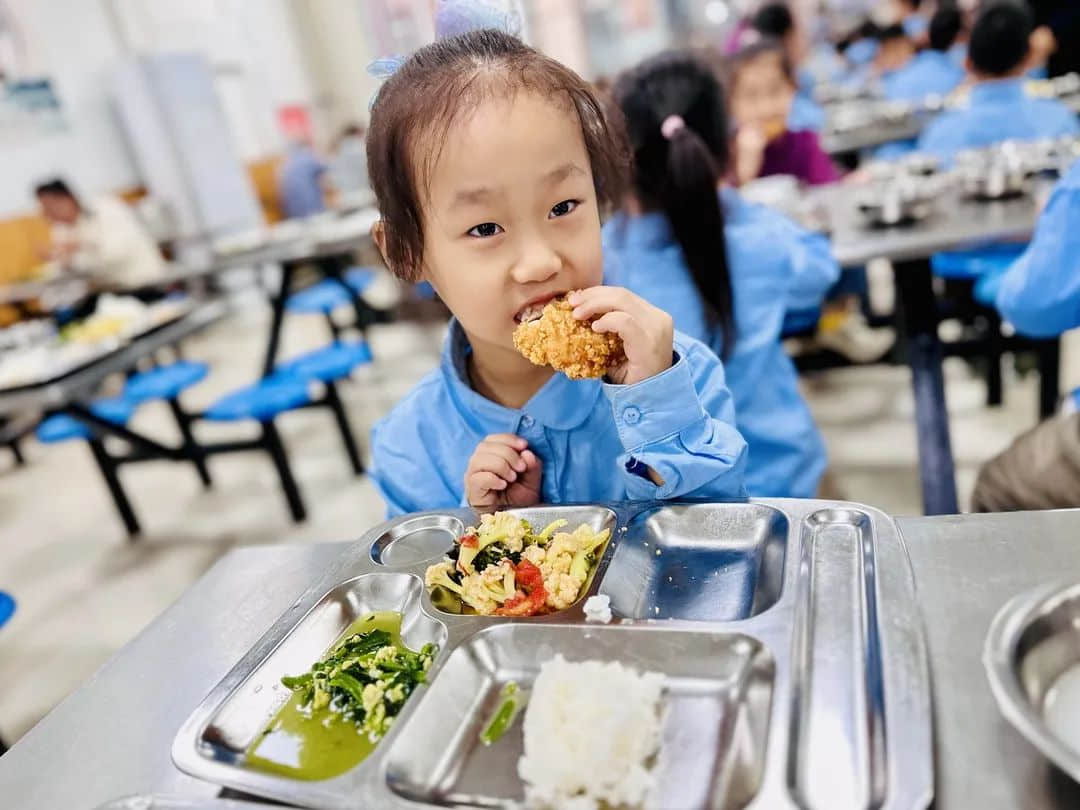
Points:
(299, 188)
(928, 73)
(591, 437)
(997, 111)
(1040, 294)
(775, 266)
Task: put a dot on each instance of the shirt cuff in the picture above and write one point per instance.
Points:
(653, 409)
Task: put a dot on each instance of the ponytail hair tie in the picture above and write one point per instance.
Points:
(671, 125)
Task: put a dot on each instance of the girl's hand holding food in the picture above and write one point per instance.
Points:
(503, 472)
(647, 332)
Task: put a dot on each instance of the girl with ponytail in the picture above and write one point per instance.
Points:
(726, 270)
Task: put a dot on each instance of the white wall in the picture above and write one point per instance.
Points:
(253, 45)
(75, 46)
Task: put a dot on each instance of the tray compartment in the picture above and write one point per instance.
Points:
(703, 562)
(416, 540)
(247, 710)
(717, 697)
(837, 744)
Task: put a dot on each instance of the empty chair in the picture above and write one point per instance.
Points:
(262, 402)
(166, 383)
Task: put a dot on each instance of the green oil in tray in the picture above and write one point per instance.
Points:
(305, 744)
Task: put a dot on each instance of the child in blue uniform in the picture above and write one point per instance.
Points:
(492, 164)
(726, 270)
(1040, 294)
(931, 71)
(775, 21)
(999, 109)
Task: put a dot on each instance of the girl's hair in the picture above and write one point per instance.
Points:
(677, 168)
(432, 90)
(753, 50)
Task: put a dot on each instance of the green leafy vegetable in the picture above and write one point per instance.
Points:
(366, 678)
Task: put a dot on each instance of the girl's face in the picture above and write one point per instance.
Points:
(511, 217)
(762, 94)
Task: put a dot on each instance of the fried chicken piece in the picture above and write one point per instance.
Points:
(560, 340)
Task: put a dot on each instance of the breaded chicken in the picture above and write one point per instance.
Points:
(557, 339)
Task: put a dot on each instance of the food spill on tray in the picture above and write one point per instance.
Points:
(592, 736)
(504, 568)
(552, 336)
(344, 704)
(512, 698)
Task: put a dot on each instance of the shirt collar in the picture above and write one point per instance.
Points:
(562, 404)
(998, 90)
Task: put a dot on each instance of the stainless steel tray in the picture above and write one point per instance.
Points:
(788, 631)
(1032, 659)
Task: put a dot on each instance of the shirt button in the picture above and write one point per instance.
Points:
(526, 421)
(631, 415)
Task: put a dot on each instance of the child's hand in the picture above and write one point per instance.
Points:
(647, 332)
(750, 143)
(503, 472)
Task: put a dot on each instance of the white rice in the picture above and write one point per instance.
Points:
(591, 729)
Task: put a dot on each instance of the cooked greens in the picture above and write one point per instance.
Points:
(366, 678)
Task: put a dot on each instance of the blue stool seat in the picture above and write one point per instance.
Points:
(261, 401)
(61, 427)
(970, 264)
(7, 608)
(987, 286)
(164, 383)
(333, 362)
(320, 298)
(359, 278)
(424, 291)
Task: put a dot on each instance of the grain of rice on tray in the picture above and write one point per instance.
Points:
(592, 730)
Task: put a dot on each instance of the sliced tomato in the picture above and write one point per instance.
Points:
(469, 541)
(531, 595)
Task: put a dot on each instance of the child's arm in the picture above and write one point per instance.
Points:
(678, 431)
(1040, 294)
(404, 471)
(673, 411)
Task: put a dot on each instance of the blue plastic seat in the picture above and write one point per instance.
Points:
(971, 264)
(261, 401)
(320, 298)
(424, 291)
(61, 427)
(165, 382)
(359, 278)
(7, 608)
(333, 362)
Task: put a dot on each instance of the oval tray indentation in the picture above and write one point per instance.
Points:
(417, 540)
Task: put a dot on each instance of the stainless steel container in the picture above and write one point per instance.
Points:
(1032, 659)
(788, 633)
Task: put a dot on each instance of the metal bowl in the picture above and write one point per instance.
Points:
(1032, 659)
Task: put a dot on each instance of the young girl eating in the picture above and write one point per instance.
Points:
(725, 269)
(492, 165)
(762, 90)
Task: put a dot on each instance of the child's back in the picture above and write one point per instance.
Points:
(775, 267)
(998, 107)
(771, 264)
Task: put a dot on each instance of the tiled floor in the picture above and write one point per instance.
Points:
(83, 590)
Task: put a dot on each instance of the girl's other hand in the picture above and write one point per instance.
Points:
(502, 472)
(647, 332)
(750, 143)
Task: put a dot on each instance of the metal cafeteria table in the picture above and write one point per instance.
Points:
(955, 223)
(113, 735)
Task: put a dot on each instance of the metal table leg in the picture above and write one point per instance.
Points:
(918, 315)
(277, 302)
(108, 471)
(1049, 353)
